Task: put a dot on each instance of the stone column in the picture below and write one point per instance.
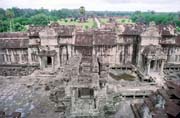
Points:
(12, 56)
(67, 54)
(162, 67)
(5, 58)
(58, 58)
(69, 51)
(40, 62)
(93, 51)
(148, 66)
(8, 57)
(20, 57)
(29, 56)
(52, 58)
(155, 65)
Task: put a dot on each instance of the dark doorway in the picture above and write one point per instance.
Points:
(152, 64)
(85, 92)
(49, 61)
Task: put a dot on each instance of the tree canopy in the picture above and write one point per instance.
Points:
(40, 19)
(17, 19)
(82, 10)
(158, 18)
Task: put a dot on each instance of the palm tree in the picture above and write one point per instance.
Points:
(10, 15)
(82, 12)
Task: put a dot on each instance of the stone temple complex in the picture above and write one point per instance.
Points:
(110, 72)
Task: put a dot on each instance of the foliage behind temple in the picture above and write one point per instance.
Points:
(19, 19)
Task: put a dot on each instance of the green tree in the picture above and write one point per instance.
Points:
(86, 27)
(123, 21)
(19, 27)
(82, 10)
(2, 13)
(10, 15)
(40, 19)
(4, 25)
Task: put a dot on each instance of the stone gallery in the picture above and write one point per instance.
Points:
(96, 73)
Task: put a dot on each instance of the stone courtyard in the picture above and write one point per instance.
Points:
(59, 71)
(40, 94)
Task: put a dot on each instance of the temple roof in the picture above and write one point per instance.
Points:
(14, 40)
(131, 29)
(167, 30)
(34, 30)
(154, 51)
(63, 30)
(84, 39)
(95, 38)
(14, 35)
(104, 38)
(90, 37)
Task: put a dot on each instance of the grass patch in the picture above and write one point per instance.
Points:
(124, 21)
(90, 23)
(104, 20)
(118, 20)
(123, 76)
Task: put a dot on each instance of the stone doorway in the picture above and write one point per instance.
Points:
(152, 64)
(49, 60)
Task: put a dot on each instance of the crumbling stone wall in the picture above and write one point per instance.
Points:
(16, 71)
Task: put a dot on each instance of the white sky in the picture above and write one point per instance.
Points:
(97, 5)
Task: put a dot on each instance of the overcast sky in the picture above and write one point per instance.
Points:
(97, 5)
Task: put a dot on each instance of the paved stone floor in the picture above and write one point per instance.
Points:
(26, 95)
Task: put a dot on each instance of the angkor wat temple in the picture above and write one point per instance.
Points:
(151, 48)
(93, 70)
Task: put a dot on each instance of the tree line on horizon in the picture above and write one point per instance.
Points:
(17, 19)
(158, 18)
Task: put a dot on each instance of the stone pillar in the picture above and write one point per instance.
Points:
(8, 57)
(93, 51)
(162, 67)
(5, 58)
(155, 65)
(58, 58)
(12, 56)
(148, 66)
(69, 51)
(29, 56)
(20, 57)
(40, 62)
(67, 54)
(73, 99)
(52, 58)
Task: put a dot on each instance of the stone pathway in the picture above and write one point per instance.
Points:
(97, 22)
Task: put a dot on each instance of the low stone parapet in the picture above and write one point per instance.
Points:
(17, 70)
